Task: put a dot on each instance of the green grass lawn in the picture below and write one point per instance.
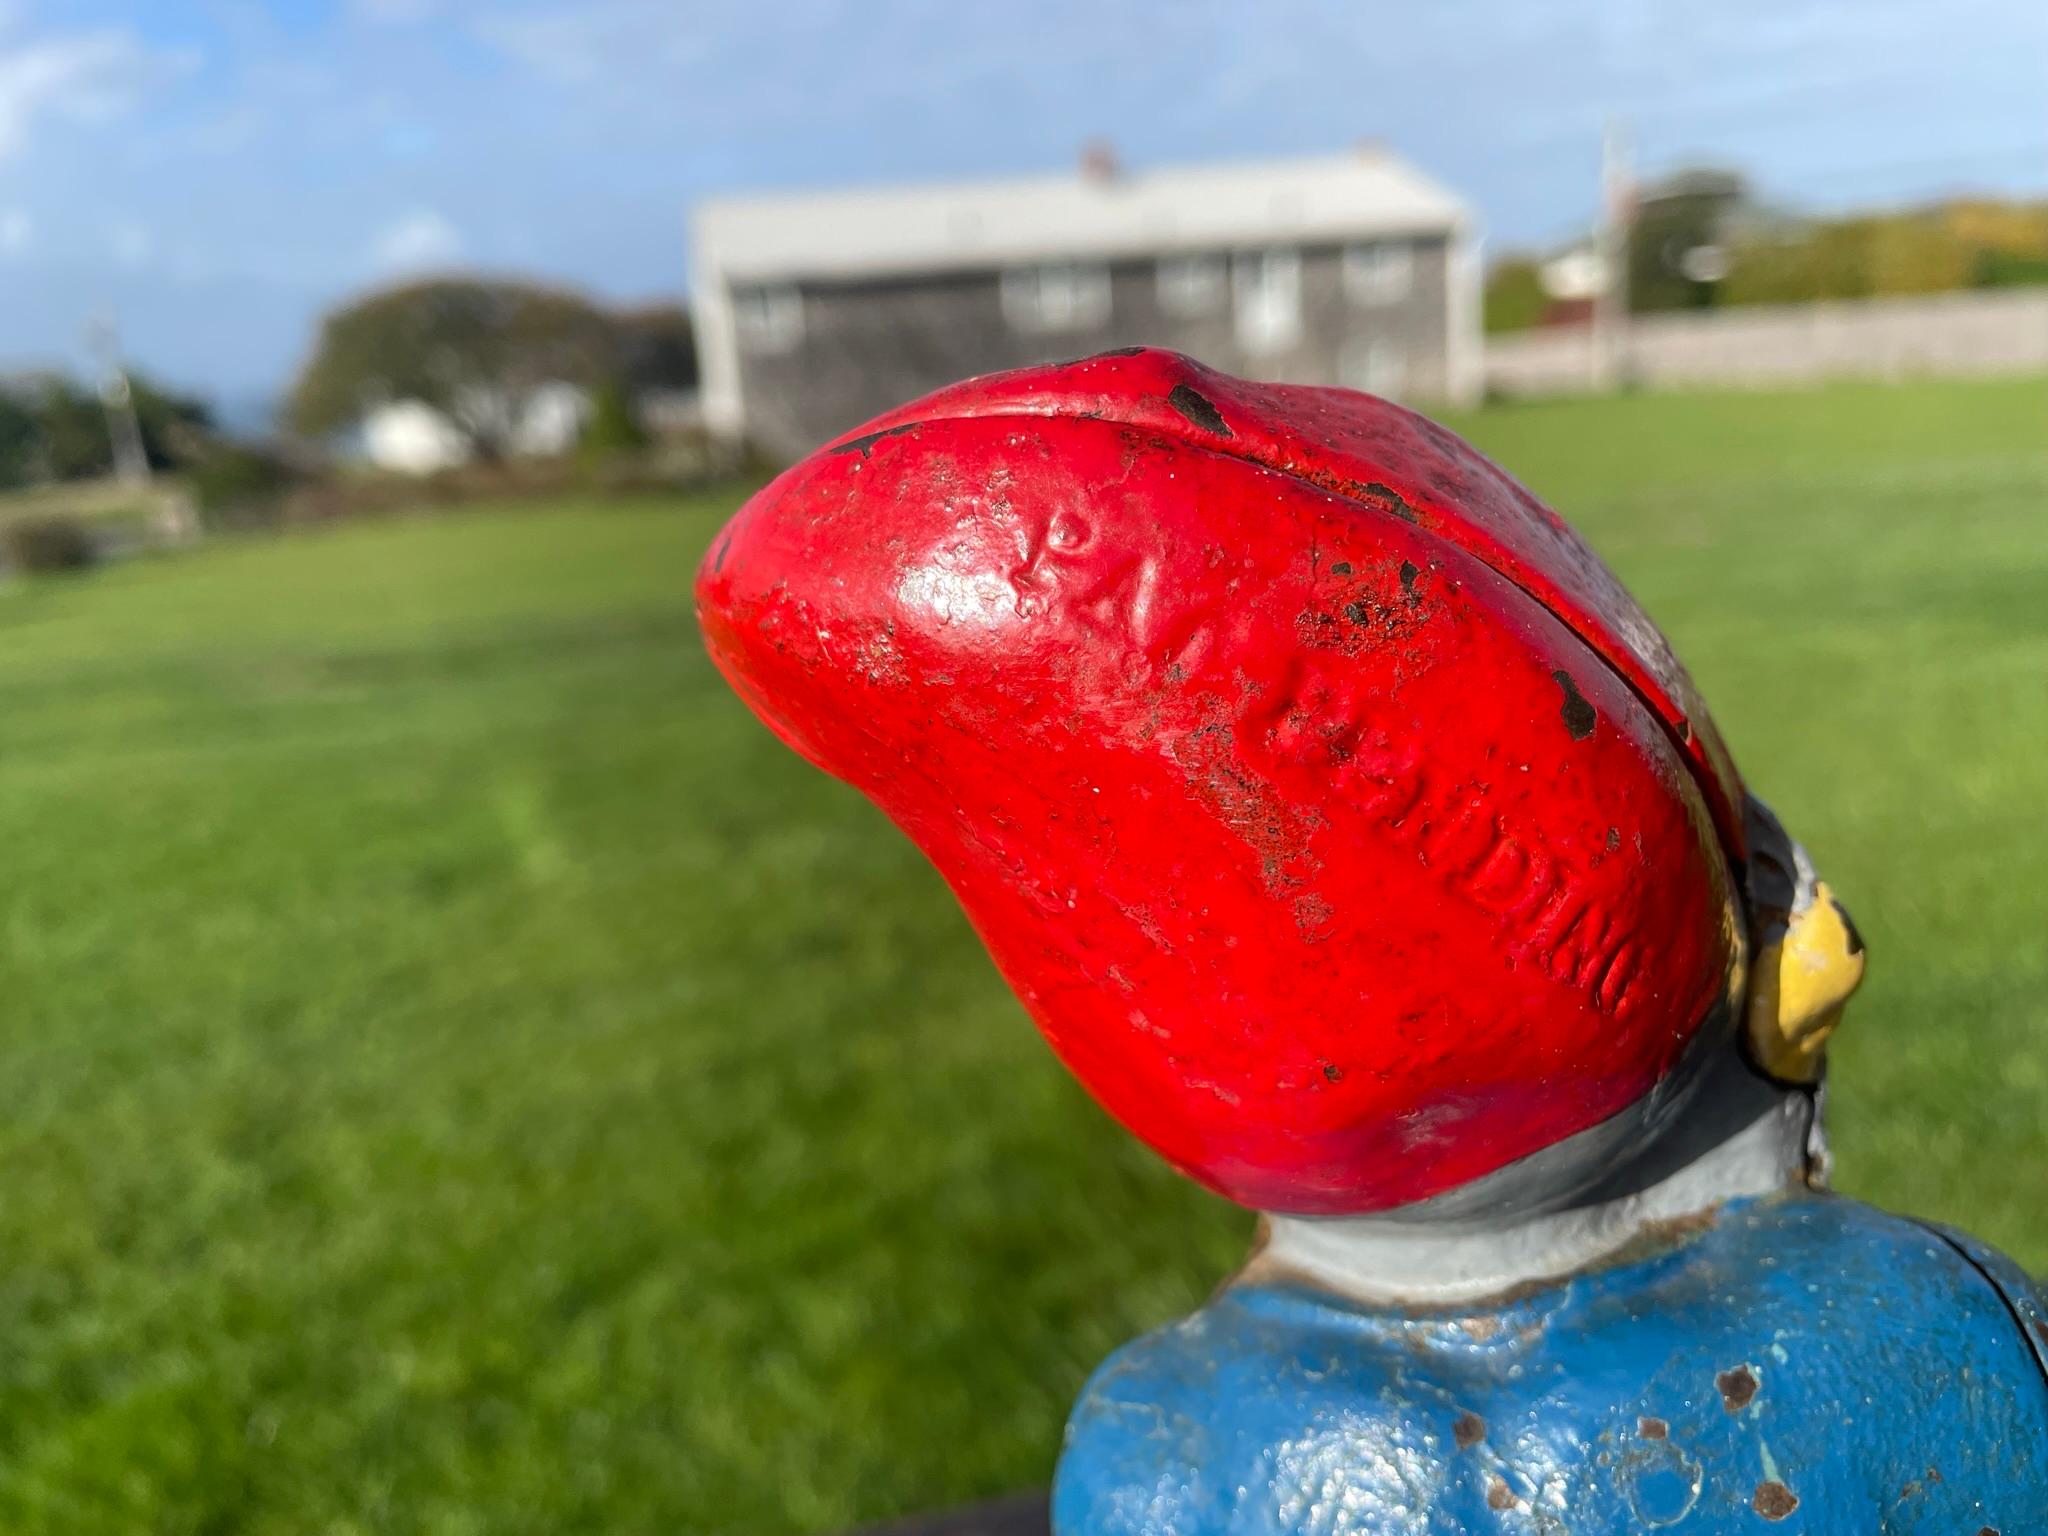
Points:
(457, 1074)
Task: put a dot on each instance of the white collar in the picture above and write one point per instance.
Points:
(1396, 1259)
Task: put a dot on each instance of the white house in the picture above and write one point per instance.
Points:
(816, 311)
(410, 437)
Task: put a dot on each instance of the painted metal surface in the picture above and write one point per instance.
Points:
(1805, 1364)
(1340, 822)
(1806, 955)
(1354, 837)
(1389, 459)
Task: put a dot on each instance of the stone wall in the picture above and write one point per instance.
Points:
(1941, 335)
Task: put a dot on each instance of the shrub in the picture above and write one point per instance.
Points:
(612, 431)
(21, 442)
(75, 443)
(48, 543)
(1515, 299)
(236, 486)
(2009, 269)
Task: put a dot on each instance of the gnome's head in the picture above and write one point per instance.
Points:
(1342, 822)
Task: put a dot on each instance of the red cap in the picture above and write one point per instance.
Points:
(1343, 823)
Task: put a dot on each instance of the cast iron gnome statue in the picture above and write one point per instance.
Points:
(1357, 840)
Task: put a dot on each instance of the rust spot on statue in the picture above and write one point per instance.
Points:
(1312, 917)
(1500, 1496)
(1579, 716)
(1737, 1387)
(1468, 1431)
(1774, 1501)
(867, 440)
(1332, 1072)
(1395, 502)
(1341, 568)
(1409, 571)
(1653, 1429)
(1250, 806)
(1198, 409)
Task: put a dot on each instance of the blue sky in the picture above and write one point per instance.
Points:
(218, 171)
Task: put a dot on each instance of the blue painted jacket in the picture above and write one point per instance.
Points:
(1804, 1364)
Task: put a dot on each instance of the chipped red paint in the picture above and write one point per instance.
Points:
(1340, 820)
(1382, 455)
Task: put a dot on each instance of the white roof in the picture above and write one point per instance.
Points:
(873, 231)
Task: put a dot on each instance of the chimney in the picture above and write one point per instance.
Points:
(1098, 161)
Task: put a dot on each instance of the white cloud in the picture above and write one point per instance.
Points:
(614, 43)
(79, 76)
(17, 229)
(421, 238)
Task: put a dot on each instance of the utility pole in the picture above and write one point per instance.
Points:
(124, 430)
(1610, 247)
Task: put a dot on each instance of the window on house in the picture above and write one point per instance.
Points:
(1265, 289)
(1192, 285)
(1057, 296)
(769, 319)
(1380, 273)
(1377, 366)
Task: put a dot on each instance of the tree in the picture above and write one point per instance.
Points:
(1679, 222)
(1969, 243)
(657, 349)
(473, 349)
(1515, 299)
(612, 429)
(65, 435)
(1853, 258)
(76, 440)
(21, 442)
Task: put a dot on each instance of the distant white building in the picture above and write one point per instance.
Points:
(815, 312)
(410, 437)
(1576, 274)
(551, 421)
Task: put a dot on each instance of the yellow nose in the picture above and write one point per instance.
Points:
(1805, 969)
